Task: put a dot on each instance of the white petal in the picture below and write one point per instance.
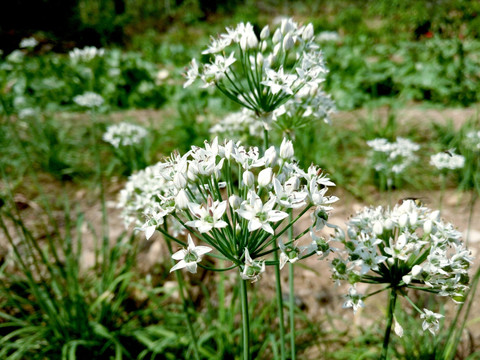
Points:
(191, 267)
(191, 244)
(397, 327)
(202, 250)
(220, 224)
(179, 255)
(268, 228)
(276, 215)
(254, 224)
(149, 231)
(180, 265)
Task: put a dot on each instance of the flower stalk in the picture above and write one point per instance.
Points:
(391, 310)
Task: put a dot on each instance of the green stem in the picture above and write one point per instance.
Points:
(443, 182)
(391, 310)
(181, 286)
(245, 320)
(265, 139)
(291, 297)
(470, 214)
(292, 310)
(278, 289)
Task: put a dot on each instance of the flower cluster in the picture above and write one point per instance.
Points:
(238, 125)
(392, 158)
(86, 54)
(28, 43)
(261, 72)
(89, 100)
(327, 36)
(408, 246)
(308, 103)
(236, 201)
(124, 134)
(141, 193)
(472, 140)
(447, 160)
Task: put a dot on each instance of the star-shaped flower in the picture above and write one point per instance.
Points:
(209, 217)
(189, 257)
(260, 215)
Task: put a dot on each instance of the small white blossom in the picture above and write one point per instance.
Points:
(89, 100)
(190, 257)
(124, 134)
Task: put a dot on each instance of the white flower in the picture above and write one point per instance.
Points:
(248, 178)
(190, 257)
(279, 81)
(287, 196)
(260, 215)
(252, 269)
(448, 160)
(30, 42)
(209, 216)
(397, 328)
(265, 177)
(88, 100)
(289, 253)
(86, 54)
(286, 149)
(430, 321)
(354, 300)
(124, 134)
(192, 73)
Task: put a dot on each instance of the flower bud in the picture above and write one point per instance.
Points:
(265, 177)
(248, 178)
(229, 149)
(413, 218)
(238, 229)
(388, 224)
(401, 242)
(288, 42)
(259, 59)
(264, 46)
(235, 201)
(416, 270)
(427, 226)
(377, 228)
(286, 149)
(403, 220)
(407, 279)
(265, 33)
(270, 156)
(179, 181)
(276, 50)
(181, 200)
(307, 33)
(277, 36)
(252, 41)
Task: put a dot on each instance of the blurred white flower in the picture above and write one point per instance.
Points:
(124, 134)
(89, 100)
(28, 43)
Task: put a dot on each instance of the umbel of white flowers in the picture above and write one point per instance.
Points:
(261, 72)
(235, 202)
(407, 247)
(124, 134)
